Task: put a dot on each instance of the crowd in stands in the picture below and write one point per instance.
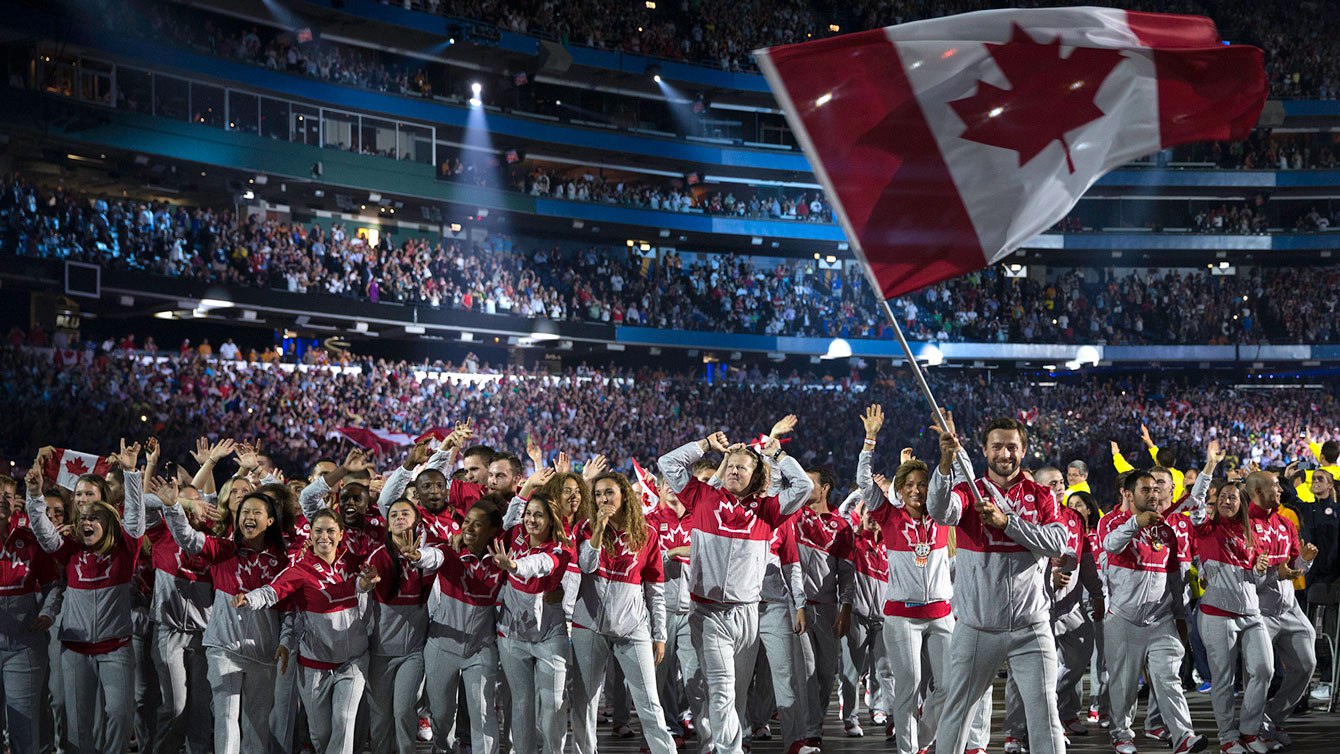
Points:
(294, 412)
(590, 186)
(725, 293)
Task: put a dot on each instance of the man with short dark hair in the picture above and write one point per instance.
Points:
(1006, 530)
(1146, 592)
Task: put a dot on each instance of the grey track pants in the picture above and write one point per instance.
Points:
(1128, 646)
(331, 698)
(1294, 640)
(726, 639)
(393, 701)
(243, 694)
(974, 657)
(185, 710)
(1226, 639)
(591, 654)
(99, 699)
(477, 676)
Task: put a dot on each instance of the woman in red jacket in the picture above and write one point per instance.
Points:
(96, 657)
(331, 596)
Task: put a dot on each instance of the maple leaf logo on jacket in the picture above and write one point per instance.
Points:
(1049, 96)
(736, 518)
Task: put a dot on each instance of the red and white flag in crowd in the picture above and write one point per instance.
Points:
(376, 440)
(651, 496)
(64, 467)
(947, 144)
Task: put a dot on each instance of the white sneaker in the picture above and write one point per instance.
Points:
(1232, 747)
(1322, 692)
(852, 728)
(1256, 744)
(1014, 745)
(425, 730)
(1124, 746)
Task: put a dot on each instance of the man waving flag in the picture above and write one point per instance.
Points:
(947, 144)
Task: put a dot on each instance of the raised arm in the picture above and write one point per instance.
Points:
(943, 502)
(872, 421)
(796, 485)
(1201, 489)
(188, 538)
(132, 519)
(398, 480)
(36, 507)
(675, 465)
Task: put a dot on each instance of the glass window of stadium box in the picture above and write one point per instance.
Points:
(56, 75)
(305, 124)
(207, 105)
(274, 119)
(244, 112)
(134, 90)
(378, 137)
(95, 81)
(414, 143)
(172, 97)
(339, 130)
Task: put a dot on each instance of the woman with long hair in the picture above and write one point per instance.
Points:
(620, 611)
(1231, 565)
(330, 595)
(242, 648)
(399, 630)
(1090, 512)
(462, 648)
(532, 630)
(99, 563)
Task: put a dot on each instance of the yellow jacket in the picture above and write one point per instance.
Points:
(1123, 466)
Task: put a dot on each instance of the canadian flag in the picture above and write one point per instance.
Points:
(64, 467)
(651, 497)
(376, 440)
(947, 144)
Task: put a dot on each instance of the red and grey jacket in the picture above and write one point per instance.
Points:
(332, 612)
(825, 543)
(872, 575)
(251, 634)
(1227, 561)
(999, 582)
(540, 569)
(183, 591)
(96, 613)
(1144, 577)
(399, 611)
(783, 583)
(730, 534)
(24, 571)
(621, 590)
(462, 606)
(917, 551)
(673, 531)
(1068, 601)
(1278, 538)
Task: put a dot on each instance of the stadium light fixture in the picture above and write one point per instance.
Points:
(1088, 355)
(931, 354)
(545, 330)
(839, 348)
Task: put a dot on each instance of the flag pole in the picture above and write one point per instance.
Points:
(920, 377)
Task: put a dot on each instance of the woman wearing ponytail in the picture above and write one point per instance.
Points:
(620, 611)
(242, 648)
(99, 563)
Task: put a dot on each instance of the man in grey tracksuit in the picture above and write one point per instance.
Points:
(1001, 602)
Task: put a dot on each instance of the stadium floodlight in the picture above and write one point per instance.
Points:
(1088, 355)
(545, 330)
(931, 354)
(839, 348)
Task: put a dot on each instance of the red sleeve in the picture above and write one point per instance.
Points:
(654, 571)
(694, 493)
(462, 494)
(787, 549)
(290, 581)
(1295, 549)
(844, 545)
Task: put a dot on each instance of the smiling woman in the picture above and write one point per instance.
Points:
(97, 661)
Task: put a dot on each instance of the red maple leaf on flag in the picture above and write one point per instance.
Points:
(1049, 96)
(76, 466)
